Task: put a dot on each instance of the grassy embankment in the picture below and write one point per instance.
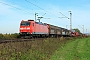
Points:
(75, 50)
(31, 50)
(40, 49)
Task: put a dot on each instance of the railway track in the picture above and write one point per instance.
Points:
(7, 41)
(19, 40)
(22, 40)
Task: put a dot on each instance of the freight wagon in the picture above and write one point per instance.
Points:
(54, 30)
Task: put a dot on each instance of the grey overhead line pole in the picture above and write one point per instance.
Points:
(35, 16)
(83, 29)
(68, 18)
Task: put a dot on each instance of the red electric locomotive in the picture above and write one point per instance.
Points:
(32, 28)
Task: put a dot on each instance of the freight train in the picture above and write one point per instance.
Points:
(38, 29)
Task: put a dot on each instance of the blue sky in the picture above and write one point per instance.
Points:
(10, 16)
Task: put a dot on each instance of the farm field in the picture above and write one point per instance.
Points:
(47, 49)
(75, 50)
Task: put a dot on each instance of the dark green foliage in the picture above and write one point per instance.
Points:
(77, 30)
(15, 35)
(1, 36)
(9, 36)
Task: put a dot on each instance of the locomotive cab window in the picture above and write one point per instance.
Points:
(25, 24)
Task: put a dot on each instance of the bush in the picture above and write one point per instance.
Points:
(9, 36)
(15, 35)
(1, 36)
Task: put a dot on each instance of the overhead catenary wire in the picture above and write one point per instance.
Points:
(15, 7)
(20, 5)
(35, 5)
(41, 4)
(25, 10)
(40, 8)
(64, 16)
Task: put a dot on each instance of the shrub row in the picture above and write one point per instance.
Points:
(9, 36)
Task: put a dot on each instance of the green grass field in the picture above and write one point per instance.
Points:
(78, 49)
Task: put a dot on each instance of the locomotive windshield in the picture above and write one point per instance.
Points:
(25, 24)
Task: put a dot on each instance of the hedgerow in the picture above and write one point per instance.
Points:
(9, 36)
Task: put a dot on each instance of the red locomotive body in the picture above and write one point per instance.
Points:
(31, 27)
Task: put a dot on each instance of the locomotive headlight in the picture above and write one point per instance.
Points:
(21, 28)
(28, 28)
